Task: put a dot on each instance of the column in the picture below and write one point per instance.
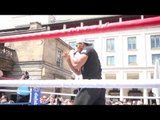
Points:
(145, 94)
(121, 94)
(143, 76)
(103, 76)
(120, 76)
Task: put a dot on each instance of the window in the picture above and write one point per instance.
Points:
(91, 42)
(135, 92)
(110, 60)
(114, 92)
(110, 45)
(133, 76)
(152, 75)
(72, 44)
(110, 76)
(132, 59)
(155, 57)
(155, 41)
(59, 61)
(131, 43)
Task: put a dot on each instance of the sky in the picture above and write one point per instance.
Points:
(5, 21)
(10, 21)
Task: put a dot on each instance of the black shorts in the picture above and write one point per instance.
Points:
(90, 96)
(21, 98)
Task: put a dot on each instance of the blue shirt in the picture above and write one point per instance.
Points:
(23, 92)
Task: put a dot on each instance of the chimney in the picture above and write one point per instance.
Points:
(35, 25)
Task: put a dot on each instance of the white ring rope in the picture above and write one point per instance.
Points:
(6, 90)
(66, 94)
(51, 93)
(154, 83)
(82, 83)
(132, 97)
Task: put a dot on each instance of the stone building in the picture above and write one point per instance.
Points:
(41, 58)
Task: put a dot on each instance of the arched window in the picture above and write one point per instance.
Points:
(135, 92)
(114, 92)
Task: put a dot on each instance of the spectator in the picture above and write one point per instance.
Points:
(1, 73)
(23, 94)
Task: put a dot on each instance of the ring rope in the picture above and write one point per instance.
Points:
(82, 83)
(107, 96)
(108, 27)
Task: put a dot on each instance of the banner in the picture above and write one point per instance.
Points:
(35, 96)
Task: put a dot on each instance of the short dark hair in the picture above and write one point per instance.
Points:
(87, 44)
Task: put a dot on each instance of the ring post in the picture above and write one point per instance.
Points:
(35, 97)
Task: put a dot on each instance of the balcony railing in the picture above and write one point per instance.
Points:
(6, 53)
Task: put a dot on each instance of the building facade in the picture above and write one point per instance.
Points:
(126, 55)
(43, 59)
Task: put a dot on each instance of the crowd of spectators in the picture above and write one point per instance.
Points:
(59, 100)
(126, 102)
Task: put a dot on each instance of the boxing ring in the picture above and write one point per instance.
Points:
(82, 84)
(108, 27)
